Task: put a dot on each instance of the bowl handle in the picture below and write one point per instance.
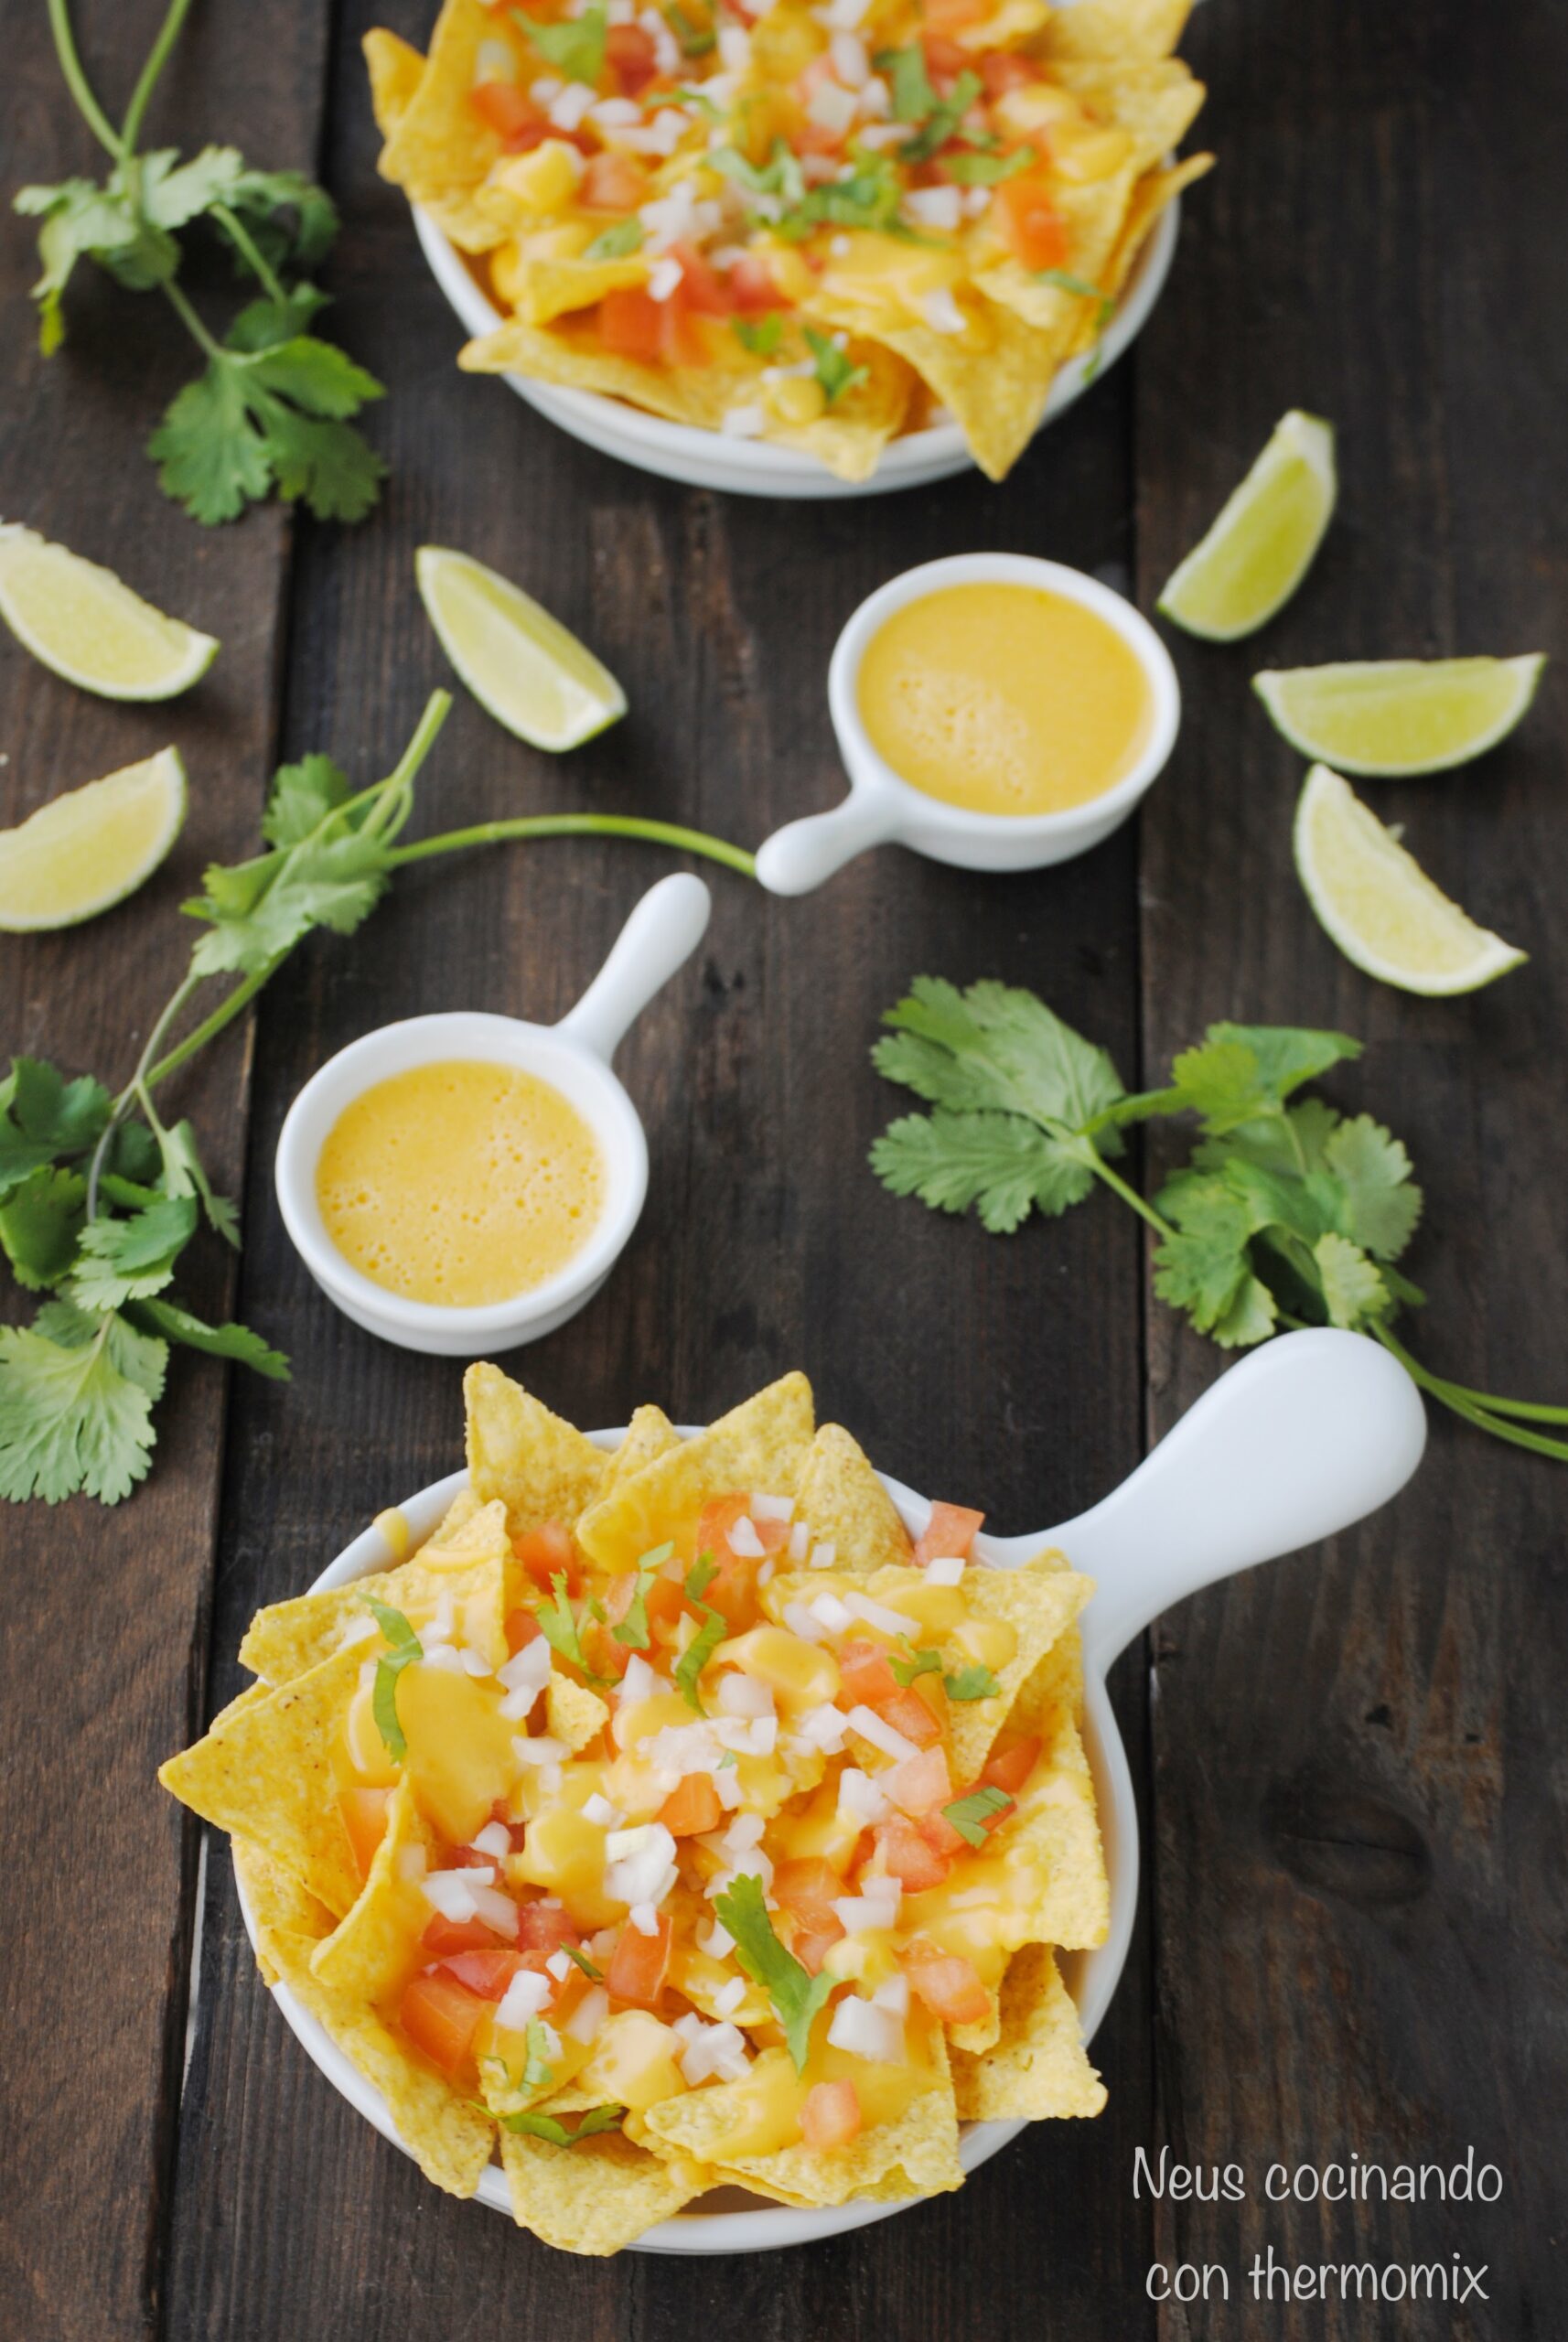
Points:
(1304, 1437)
(802, 854)
(659, 937)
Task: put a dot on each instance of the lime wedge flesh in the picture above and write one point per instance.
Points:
(1385, 716)
(1260, 547)
(520, 664)
(1378, 904)
(88, 627)
(93, 846)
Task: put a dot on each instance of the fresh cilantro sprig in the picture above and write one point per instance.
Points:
(574, 46)
(797, 1997)
(576, 1952)
(538, 2072)
(632, 1629)
(696, 1655)
(528, 2124)
(833, 370)
(974, 1815)
(761, 335)
(272, 412)
(405, 1648)
(618, 241)
(558, 1625)
(1287, 1213)
(974, 1683)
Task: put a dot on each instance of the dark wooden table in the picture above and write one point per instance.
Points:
(1352, 1765)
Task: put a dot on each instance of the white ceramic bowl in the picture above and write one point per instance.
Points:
(661, 935)
(1299, 1440)
(882, 808)
(753, 467)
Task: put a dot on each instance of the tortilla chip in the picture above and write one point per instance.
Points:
(375, 1947)
(595, 2198)
(540, 1467)
(1057, 1818)
(456, 1518)
(1038, 2069)
(914, 2155)
(994, 379)
(264, 1772)
(395, 70)
(1155, 106)
(284, 1912)
(844, 1504)
(760, 1446)
(648, 1435)
(1145, 29)
(438, 149)
(471, 1570)
(982, 2034)
(1155, 191)
(573, 1713)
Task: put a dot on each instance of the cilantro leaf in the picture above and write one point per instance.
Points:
(183, 1175)
(573, 1951)
(1380, 1204)
(538, 2072)
(558, 1628)
(619, 241)
(700, 1575)
(697, 1653)
(974, 1815)
(797, 1997)
(272, 416)
(974, 166)
(301, 796)
(908, 81)
(124, 1260)
(1066, 282)
(919, 1662)
(529, 2125)
(259, 910)
(210, 457)
(174, 1324)
(996, 1046)
(576, 47)
(974, 1683)
(999, 1162)
(761, 336)
(43, 1116)
(941, 122)
(39, 1224)
(1353, 1288)
(76, 1404)
(633, 1628)
(696, 39)
(833, 370)
(597, 2120)
(406, 1648)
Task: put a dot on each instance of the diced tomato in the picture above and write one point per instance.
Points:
(613, 183)
(865, 1676)
(364, 1814)
(948, 16)
(516, 1830)
(634, 325)
(510, 113)
(948, 1984)
(951, 1528)
(908, 1713)
(545, 1552)
(751, 285)
(444, 1936)
(521, 1629)
(1004, 69)
(544, 1926)
(1033, 229)
(662, 1602)
(831, 2115)
(468, 1858)
(920, 1784)
(485, 1972)
(1009, 1766)
(906, 1856)
(812, 1948)
(441, 2017)
(630, 55)
(692, 1808)
(703, 292)
(945, 60)
(807, 1888)
(638, 1964)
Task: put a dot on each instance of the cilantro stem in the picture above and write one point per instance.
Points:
(564, 825)
(137, 1087)
(211, 1026)
(246, 245)
(1475, 1407)
(76, 80)
(1129, 1195)
(193, 325)
(157, 57)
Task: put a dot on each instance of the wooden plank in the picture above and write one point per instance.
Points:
(105, 1634)
(1008, 1371)
(1356, 1898)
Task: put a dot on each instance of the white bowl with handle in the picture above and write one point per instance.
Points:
(1302, 1438)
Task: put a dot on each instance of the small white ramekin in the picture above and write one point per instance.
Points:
(882, 808)
(574, 1056)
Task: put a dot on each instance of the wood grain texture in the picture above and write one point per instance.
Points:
(103, 1639)
(1359, 1739)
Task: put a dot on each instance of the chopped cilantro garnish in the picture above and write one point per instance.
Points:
(574, 1952)
(576, 47)
(618, 241)
(1066, 282)
(833, 370)
(696, 39)
(972, 166)
(942, 121)
(920, 1663)
(759, 335)
(633, 1628)
(700, 1575)
(780, 175)
(406, 1647)
(971, 1816)
(907, 80)
(538, 2071)
(797, 1997)
(527, 2124)
(698, 1652)
(972, 1683)
(560, 1629)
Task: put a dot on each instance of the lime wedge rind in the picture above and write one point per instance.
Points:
(1251, 562)
(1375, 901)
(85, 851)
(88, 626)
(520, 663)
(1390, 718)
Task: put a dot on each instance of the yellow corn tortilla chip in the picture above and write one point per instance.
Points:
(1143, 29)
(1155, 106)
(471, 1570)
(1009, 25)
(1155, 191)
(844, 1504)
(983, 2032)
(1092, 215)
(540, 1467)
(573, 1713)
(760, 1446)
(1057, 1821)
(375, 1947)
(395, 69)
(438, 149)
(1038, 2069)
(648, 1435)
(264, 1772)
(284, 1912)
(914, 2155)
(597, 2198)
(456, 1518)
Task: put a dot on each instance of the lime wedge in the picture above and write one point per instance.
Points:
(1399, 716)
(93, 846)
(1260, 547)
(1378, 903)
(520, 664)
(84, 624)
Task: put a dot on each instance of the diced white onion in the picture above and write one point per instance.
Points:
(450, 1892)
(640, 1681)
(473, 1663)
(356, 1631)
(893, 1996)
(441, 1655)
(800, 1621)
(664, 277)
(744, 1832)
(765, 1575)
(821, 1728)
(715, 1941)
(496, 1910)
(834, 1614)
(644, 1919)
(735, 48)
(944, 1569)
(877, 1614)
(742, 1695)
(770, 1507)
(934, 207)
(870, 1727)
(646, 1871)
(858, 1914)
(560, 1965)
(710, 2049)
(727, 1781)
(850, 60)
(601, 1812)
(527, 1669)
(859, 1794)
(615, 113)
(799, 1542)
(588, 2016)
(494, 61)
(493, 1839)
(569, 111)
(744, 1539)
(866, 2031)
(540, 1750)
(524, 1998)
(832, 107)
(728, 1997)
(941, 311)
(413, 1861)
(825, 1555)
